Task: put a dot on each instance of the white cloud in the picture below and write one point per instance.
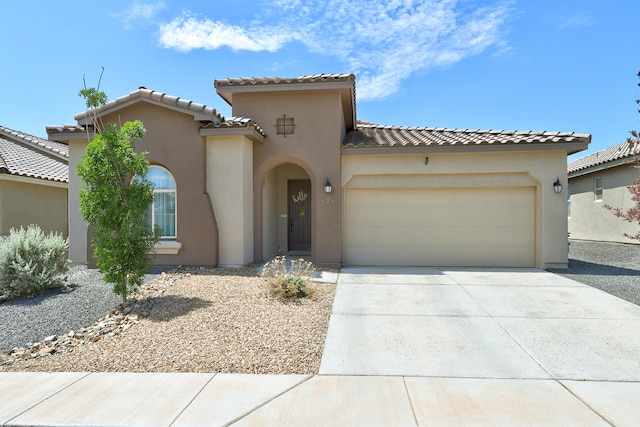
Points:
(141, 11)
(382, 41)
(187, 33)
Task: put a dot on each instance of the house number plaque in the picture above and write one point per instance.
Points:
(328, 201)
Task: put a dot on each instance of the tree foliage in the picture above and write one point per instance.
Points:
(115, 199)
(632, 215)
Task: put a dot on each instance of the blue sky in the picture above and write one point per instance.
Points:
(510, 65)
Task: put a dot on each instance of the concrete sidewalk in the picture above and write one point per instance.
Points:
(405, 347)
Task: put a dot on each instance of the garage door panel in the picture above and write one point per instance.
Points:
(438, 216)
(436, 257)
(446, 227)
(437, 236)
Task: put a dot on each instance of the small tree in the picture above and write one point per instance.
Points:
(632, 215)
(116, 198)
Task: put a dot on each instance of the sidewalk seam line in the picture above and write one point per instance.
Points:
(49, 397)
(191, 401)
(583, 402)
(235, 420)
(413, 410)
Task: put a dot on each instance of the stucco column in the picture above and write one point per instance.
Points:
(555, 240)
(79, 246)
(229, 168)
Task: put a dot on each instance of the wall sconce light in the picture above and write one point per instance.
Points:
(557, 187)
(327, 186)
(426, 160)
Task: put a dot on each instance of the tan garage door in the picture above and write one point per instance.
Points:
(467, 227)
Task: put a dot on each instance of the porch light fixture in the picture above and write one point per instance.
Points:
(327, 186)
(557, 187)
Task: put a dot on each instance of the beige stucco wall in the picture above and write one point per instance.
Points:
(588, 219)
(173, 141)
(314, 147)
(26, 201)
(501, 169)
(229, 161)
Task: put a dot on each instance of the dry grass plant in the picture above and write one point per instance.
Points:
(289, 279)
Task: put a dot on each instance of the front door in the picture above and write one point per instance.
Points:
(299, 192)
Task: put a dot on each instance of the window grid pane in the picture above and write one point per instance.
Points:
(598, 189)
(163, 211)
(284, 126)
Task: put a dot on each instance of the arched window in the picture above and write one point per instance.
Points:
(163, 211)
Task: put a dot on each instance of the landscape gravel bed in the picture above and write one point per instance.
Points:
(29, 320)
(213, 320)
(611, 267)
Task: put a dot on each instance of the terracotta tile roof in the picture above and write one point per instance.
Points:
(70, 128)
(261, 81)
(54, 147)
(29, 156)
(368, 135)
(617, 152)
(199, 111)
(236, 122)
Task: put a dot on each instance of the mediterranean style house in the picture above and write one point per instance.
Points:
(602, 179)
(34, 176)
(294, 172)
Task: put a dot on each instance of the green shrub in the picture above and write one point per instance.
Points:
(289, 281)
(31, 262)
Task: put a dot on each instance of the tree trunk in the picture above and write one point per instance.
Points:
(124, 289)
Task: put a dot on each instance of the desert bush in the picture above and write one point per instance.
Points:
(289, 281)
(31, 262)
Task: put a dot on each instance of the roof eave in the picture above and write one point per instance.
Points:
(602, 166)
(247, 132)
(66, 133)
(84, 118)
(26, 179)
(569, 147)
(199, 112)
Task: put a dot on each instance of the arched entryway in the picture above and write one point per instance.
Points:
(287, 205)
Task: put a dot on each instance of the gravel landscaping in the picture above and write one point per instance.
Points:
(31, 319)
(611, 267)
(217, 320)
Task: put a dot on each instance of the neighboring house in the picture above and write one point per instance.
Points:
(34, 176)
(601, 179)
(294, 172)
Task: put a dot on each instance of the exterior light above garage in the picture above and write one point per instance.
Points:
(327, 186)
(557, 187)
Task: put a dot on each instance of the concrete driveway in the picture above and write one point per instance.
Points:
(471, 343)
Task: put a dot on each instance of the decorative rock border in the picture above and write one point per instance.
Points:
(117, 321)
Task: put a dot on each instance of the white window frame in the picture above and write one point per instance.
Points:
(168, 245)
(598, 190)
